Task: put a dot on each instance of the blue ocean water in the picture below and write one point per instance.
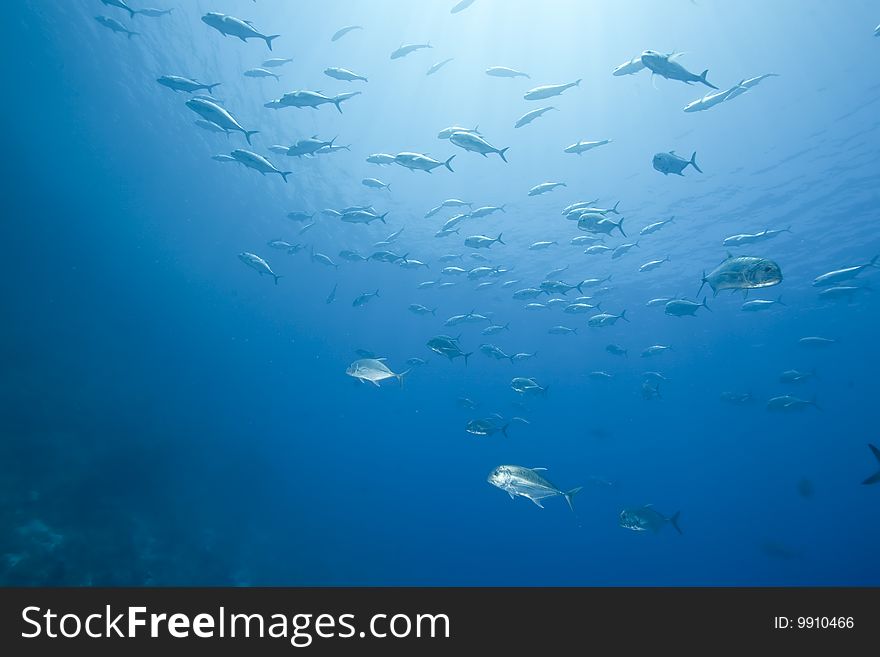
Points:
(170, 417)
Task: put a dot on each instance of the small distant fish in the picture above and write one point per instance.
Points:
(646, 518)
(375, 183)
(522, 356)
(481, 241)
(405, 50)
(816, 341)
(420, 162)
(470, 141)
(616, 350)
(666, 67)
(543, 188)
(419, 309)
(667, 163)
(790, 403)
(654, 227)
(436, 67)
(528, 117)
(121, 4)
(581, 147)
(628, 68)
(154, 13)
(845, 274)
(516, 480)
(747, 238)
(548, 90)
(606, 319)
(601, 376)
(446, 133)
(179, 83)
(486, 210)
(495, 328)
(505, 72)
(211, 111)
(380, 158)
(623, 249)
(323, 259)
(761, 304)
(655, 350)
(232, 26)
(487, 426)
(261, 73)
(344, 74)
(461, 6)
(343, 31)
(415, 361)
(275, 62)
(365, 298)
(561, 330)
(258, 163)
(795, 376)
(332, 296)
(115, 25)
(653, 264)
(373, 370)
(528, 386)
(685, 308)
(536, 246)
(256, 263)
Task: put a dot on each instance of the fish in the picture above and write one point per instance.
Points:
(585, 239)
(653, 264)
(543, 188)
(623, 249)
(874, 478)
(480, 272)
(305, 98)
(373, 370)
(522, 356)
(685, 308)
(178, 83)
(232, 26)
(600, 376)
(362, 217)
(257, 163)
(121, 4)
(380, 158)
(742, 273)
(419, 309)
(461, 6)
(654, 376)
(816, 341)
(343, 31)
(561, 330)
(747, 238)
(217, 115)
(447, 346)
(493, 352)
(275, 62)
(256, 263)
(481, 241)
(505, 72)
(606, 319)
(332, 296)
(470, 141)
(654, 227)
(709, 101)
(411, 263)
(549, 90)
(629, 68)
(551, 286)
(646, 518)
(363, 299)
(761, 304)
(786, 403)
(415, 361)
(795, 376)
(536, 306)
(659, 301)
(486, 210)
(655, 350)
(260, 73)
(528, 293)
(284, 246)
(436, 67)
(375, 183)
(845, 274)
(446, 133)
(616, 350)
(842, 291)
(300, 215)
(495, 328)
(405, 50)
(323, 259)
(527, 386)
(487, 426)
(539, 246)
(115, 25)
(307, 147)
(344, 74)
(600, 226)
(420, 162)
(667, 163)
(581, 147)
(578, 206)
(528, 117)
(516, 480)
(666, 67)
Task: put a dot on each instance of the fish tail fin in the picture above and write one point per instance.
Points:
(434, 312)
(502, 152)
(706, 305)
(132, 12)
(693, 162)
(498, 239)
(815, 403)
(620, 227)
(276, 276)
(623, 315)
(577, 82)
(874, 478)
(131, 34)
(401, 375)
(336, 100)
(569, 496)
(210, 87)
(284, 174)
(873, 262)
(614, 209)
(504, 430)
(705, 81)
(779, 300)
(501, 207)
(382, 219)
(271, 38)
(702, 283)
(599, 306)
(466, 356)
(578, 287)
(674, 521)
(376, 293)
(447, 163)
(249, 133)
(388, 186)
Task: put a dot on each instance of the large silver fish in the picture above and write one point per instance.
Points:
(526, 482)
(742, 273)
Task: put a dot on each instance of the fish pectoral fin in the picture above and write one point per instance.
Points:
(538, 502)
(512, 496)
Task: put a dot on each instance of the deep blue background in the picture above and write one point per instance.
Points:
(169, 417)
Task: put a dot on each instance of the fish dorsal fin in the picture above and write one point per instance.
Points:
(381, 359)
(538, 469)
(672, 152)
